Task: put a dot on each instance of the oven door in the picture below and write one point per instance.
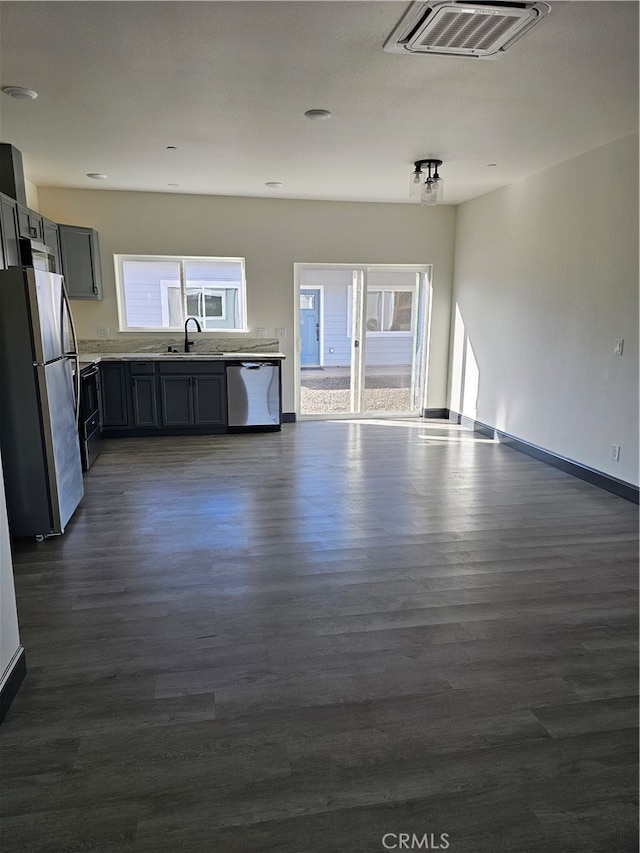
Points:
(89, 391)
(90, 425)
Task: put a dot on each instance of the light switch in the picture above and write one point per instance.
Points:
(261, 332)
(618, 346)
(281, 333)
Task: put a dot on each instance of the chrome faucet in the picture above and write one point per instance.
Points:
(187, 343)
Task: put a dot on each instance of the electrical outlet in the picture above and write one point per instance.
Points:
(261, 332)
(102, 331)
(615, 452)
(281, 333)
(618, 346)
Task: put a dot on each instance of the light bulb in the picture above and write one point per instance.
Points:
(417, 175)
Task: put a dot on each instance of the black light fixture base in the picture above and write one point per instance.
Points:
(430, 163)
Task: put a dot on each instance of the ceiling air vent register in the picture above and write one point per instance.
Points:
(463, 28)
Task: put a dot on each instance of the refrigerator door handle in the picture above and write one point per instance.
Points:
(74, 352)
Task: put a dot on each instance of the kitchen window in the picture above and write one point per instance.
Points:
(156, 292)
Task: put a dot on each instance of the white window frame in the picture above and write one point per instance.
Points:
(165, 283)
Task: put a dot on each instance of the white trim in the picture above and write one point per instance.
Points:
(165, 284)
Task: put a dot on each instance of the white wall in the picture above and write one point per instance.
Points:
(9, 637)
(546, 279)
(272, 235)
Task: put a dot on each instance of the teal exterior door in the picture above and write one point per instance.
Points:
(310, 327)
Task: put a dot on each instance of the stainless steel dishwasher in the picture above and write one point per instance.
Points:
(253, 395)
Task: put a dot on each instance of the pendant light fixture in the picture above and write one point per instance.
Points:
(426, 183)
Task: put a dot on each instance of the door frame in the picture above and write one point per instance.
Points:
(424, 346)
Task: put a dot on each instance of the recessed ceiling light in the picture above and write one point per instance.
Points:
(173, 185)
(317, 115)
(275, 185)
(19, 93)
(491, 164)
(97, 176)
(172, 147)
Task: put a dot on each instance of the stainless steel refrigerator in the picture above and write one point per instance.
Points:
(38, 403)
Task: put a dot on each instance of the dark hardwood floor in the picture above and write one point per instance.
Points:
(308, 641)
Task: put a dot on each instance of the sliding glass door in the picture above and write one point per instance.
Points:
(368, 354)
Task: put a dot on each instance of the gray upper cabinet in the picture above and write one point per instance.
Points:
(30, 224)
(80, 261)
(9, 248)
(50, 239)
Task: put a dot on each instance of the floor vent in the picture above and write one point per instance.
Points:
(463, 28)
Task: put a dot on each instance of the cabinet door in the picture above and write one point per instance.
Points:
(143, 389)
(9, 248)
(209, 400)
(30, 223)
(80, 261)
(176, 400)
(36, 226)
(114, 394)
(50, 239)
(24, 226)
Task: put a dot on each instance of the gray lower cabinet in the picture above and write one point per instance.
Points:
(176, 400)
(171, 398)
(144, 398)
(145, 406)
(113, 386)
(80, 261)
(192, 394)
(209, 400)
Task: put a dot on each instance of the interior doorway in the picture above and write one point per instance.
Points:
(363, 340)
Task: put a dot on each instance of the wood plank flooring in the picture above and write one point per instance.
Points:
(300, 642)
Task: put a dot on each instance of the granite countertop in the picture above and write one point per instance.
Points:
(93, 358)
(138, 349)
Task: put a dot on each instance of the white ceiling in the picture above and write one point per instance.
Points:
(228, 84)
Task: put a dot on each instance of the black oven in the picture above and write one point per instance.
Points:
(90, 420)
